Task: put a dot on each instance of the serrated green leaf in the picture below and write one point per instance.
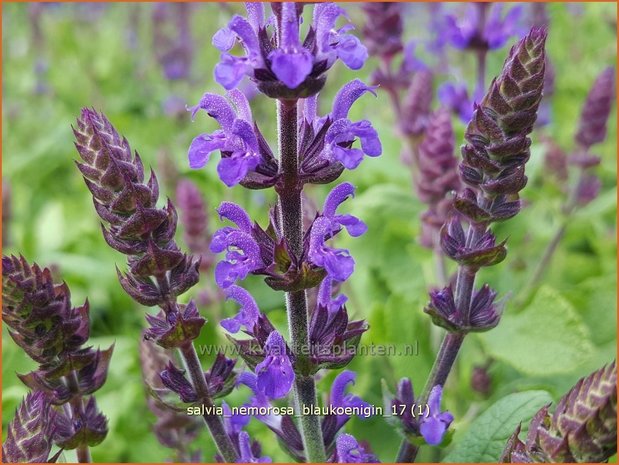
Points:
(485, 438)
(547, 337)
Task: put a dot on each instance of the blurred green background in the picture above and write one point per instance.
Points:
(63, 57)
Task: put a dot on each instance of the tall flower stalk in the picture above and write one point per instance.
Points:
(493, 167)
(294, 258)
(158, 272)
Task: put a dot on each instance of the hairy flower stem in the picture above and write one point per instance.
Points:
(192, 363)
(291, 214)
(451, 343)
(450, 346)
(213, 422)
(77, 407)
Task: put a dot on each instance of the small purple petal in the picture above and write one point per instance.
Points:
(347, 95)
(336, 197)
(247, 35)
(353, 225)
(245, 132)
(202, 146)
(224, 39)
(248, 313)
(239, 99)
(291, 67)
(236, 214)
(434, 426)
(255, 14)
(348, 450)
(351, 51)
(324, 296)
(217, 108)
(233, 169)
(230, 70)
(275, 373)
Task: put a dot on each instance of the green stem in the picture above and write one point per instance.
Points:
(291, 214)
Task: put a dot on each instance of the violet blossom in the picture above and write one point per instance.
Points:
(281, 64)
(348, 450)
(482, 26)
(275, 373)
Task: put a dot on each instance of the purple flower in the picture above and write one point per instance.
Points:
(325, 298)
(336, 197)
(434, 426)
(411, 62)
(259, 399)
(456, 98)
(248, 314)
(499, 30)
(233, 423)
(342, 132)
(338, 263)
(480, 28)
(291, 63)
(236, 139)
(284, 66)
(348, 450)
(242, 250)
(339, 398)
(275, 373)
(246, 453)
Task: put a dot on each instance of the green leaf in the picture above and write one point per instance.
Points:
(485, 439)
(596, 301)
(547, 337)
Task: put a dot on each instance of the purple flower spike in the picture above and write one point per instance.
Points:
(434, 426)
(348, 450)
(248, 314)
(383, 28)
(596, 110)
(336, 197)
(247, 455)
(30, 433)
(339, 398)
(275, 373)
(337, 262)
